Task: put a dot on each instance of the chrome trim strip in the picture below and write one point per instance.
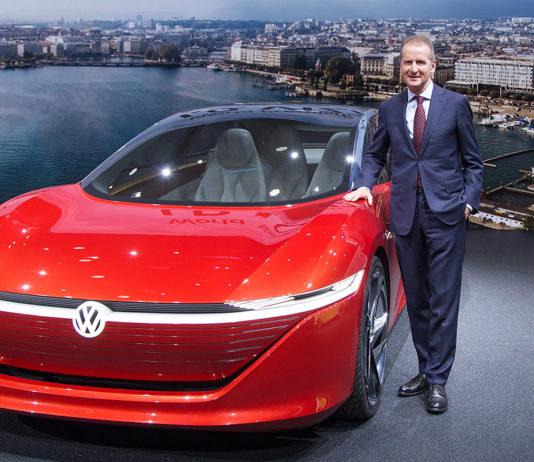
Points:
(140, 307)
(283, 306)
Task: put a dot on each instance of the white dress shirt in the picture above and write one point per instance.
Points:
(412, 106)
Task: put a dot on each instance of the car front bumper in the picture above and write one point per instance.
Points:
(299, 380)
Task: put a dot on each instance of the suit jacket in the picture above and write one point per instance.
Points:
(449, 160)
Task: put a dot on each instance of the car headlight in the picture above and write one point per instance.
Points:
(306, 301)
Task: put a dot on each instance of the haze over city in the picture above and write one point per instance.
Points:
(273, 10)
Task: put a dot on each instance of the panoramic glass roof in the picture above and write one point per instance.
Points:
(239, 154)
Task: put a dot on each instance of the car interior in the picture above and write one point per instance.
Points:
(244, 161)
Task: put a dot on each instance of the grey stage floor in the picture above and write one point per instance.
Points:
(491, 390)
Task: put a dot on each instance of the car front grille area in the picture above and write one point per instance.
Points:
(177, 357)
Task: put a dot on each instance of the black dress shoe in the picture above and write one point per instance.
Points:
(414, 387)
(436, 399)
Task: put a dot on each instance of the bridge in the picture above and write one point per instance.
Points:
(526, 175)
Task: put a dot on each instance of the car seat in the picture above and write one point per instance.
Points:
(234, 173)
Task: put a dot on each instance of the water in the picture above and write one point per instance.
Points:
(58, 123)
(495, 141)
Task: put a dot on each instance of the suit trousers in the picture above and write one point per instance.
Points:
(431, 257)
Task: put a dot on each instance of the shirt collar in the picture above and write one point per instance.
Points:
(427, 94)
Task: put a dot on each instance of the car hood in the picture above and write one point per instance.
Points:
(61, 242)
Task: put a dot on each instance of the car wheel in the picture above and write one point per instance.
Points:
(372, 345)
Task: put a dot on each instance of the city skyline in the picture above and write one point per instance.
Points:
(273, 10)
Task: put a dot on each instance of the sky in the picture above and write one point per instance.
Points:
(271, 10)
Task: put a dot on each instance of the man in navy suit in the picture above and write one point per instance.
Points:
(435, 184)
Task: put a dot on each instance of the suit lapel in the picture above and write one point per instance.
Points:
(437, 103)
(402, 119)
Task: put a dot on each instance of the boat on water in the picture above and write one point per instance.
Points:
(508, 121)
(213, 67)
(493, 120)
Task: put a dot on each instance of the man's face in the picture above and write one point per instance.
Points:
(416, 66)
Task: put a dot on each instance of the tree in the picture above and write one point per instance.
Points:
(150, 54)
(358, 81)
(170, 53)
(356, 61)
(336, 67)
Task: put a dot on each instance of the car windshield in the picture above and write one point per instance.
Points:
(244, 161)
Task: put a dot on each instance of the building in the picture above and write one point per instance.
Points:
(392, 65)
(96, 46)
(284, 57)
(31, 48)
(522, 21)
(381, 64)
(443, 74)
(272, 28)
(373, 64)
(135, 46)
(148, 24)
(162, 28)
(8, 50)
(195, 55)
(235, 51)
(512, 75)
(105, 48)
(57, 50)
(290, 55)
(76, 48)
(117, 44)
(325, 53)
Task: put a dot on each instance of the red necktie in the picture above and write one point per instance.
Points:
(419, 123)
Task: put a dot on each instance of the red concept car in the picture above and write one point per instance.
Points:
(209, 274)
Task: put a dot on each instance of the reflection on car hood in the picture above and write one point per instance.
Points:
(61, 242)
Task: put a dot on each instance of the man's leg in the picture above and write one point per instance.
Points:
(412, 255)
(445, 250)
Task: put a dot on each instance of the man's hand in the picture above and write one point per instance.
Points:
(467, 212)
(360, 193)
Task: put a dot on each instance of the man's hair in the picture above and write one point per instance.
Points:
(420, 39)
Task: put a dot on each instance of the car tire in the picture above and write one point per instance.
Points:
(364, 400)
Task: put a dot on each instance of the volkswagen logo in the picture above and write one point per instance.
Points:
(89, 319)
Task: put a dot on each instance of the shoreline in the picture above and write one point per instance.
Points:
(300, 87)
